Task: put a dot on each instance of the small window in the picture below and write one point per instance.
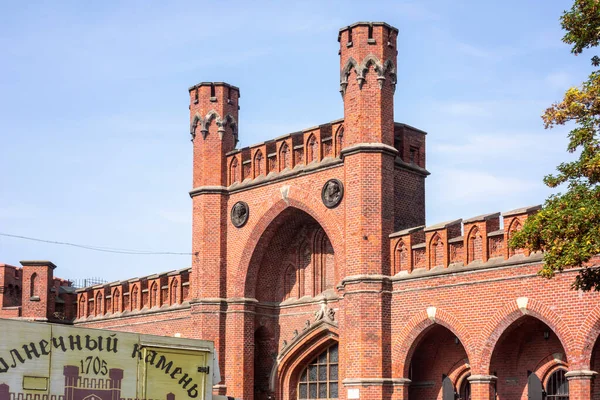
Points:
(414, 155)
(557, 386)
(319, 380)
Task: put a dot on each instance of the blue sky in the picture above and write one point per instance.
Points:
(94, 131)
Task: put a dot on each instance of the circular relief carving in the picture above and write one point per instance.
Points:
(332, 193)
(239, 214)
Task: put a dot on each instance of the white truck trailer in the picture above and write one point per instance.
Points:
(40, 361)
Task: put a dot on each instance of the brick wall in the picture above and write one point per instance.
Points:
(410, 306)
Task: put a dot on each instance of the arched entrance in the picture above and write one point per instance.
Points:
(294, 258)
(439, 366)
(292, 263)
(525, 359)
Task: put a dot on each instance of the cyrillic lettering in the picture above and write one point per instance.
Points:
(3, 366)
(184, 382)
(59, 343)
(13, 353)
(100, 340)
(150, 356)
(137, 351)
(90, 343)
(45, 347)
(193, 391)
(176, 371)
(31, 350)
(164, 365)
(75, 340)
(111, 343)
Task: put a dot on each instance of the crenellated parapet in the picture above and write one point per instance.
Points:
(473, 241)
(286, 153)
(166, 290)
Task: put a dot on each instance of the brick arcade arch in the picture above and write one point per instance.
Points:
(513, 311)
(527, 346)
(417, 328)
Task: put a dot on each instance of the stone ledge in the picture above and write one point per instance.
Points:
(376, 382)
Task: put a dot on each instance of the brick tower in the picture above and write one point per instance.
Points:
(367, 83)
(213, 128)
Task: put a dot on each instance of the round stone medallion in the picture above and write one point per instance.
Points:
(332, 193)
(239, 214)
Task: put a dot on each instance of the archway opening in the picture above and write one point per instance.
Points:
(525, 356)
(439, 366)
(265, 347)
(294, 258)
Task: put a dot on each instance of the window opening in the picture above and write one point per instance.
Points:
(319, 380)
(557, 386)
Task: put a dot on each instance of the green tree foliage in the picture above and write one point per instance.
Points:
(567, 228)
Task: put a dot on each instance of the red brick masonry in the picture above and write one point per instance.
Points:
(416, 312)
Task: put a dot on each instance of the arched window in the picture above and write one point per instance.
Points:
(284, 157)
(99, 304)
(33, 283)
(319, 380)
(174, 291)
(515, 226)
(312, 149)
(474, 246)
(117, 301)
(258, 164)
(134, 298)
(154, 295)
(557, 386)
(81, 307)
(233, 171)
(401, 258)
(436, 252)
(339, 141)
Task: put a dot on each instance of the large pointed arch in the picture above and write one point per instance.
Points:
(297, 199)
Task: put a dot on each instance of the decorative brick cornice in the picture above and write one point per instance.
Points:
(411, 167)
(38, 263)
(208, 190)
(369, 148)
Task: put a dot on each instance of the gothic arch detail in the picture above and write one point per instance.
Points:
(339, 140)
(258, 164)
(474, 245)
(197, 120)
(233, 171)
(436, 251)
(351, 64)
(284, 156)
(400, 258)
(312, 151)
(515, 226)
